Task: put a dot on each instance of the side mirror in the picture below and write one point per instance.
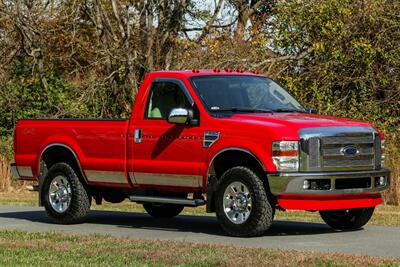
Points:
(180, 116)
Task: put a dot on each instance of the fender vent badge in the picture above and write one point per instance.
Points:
(210, 137)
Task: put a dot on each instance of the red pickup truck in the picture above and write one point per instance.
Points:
(234, 141)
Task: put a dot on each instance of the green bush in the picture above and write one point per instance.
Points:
(353, 66)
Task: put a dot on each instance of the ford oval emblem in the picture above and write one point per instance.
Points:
(349, 150)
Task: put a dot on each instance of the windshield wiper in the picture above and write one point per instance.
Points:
(239, 109)
(288, 110)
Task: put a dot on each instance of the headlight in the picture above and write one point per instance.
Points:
(285, 155)
(382, 153)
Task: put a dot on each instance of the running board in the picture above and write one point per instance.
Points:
(168, 200)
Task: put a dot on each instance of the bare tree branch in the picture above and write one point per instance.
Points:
(117, 17)
(211, 21)
(212, 26)
(273, 60)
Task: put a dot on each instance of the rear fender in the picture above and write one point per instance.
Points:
(42, 168)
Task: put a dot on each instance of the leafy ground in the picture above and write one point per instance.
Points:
(19, 248)
(384, 214)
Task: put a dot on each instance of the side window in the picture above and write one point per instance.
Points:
(163, 97)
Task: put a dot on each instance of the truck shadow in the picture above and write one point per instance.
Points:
(183, 223)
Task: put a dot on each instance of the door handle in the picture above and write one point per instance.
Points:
(138, 136)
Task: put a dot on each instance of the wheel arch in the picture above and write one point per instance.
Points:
(232, 152)
(54, 153)
(228, 158)
(58, 152)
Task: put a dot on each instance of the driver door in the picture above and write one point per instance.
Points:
(167, 154)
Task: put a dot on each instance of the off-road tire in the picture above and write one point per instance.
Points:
(262, 212)
(162, 210)
(80, 199)
(351, 219)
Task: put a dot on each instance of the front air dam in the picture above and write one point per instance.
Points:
(328, 202)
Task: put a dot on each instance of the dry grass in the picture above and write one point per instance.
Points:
(392, 195)
(19, 248)
(19, 197)
(5, 174)
(7, 183)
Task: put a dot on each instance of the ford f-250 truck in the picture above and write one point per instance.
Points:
(234, 141)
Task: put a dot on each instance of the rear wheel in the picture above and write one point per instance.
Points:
(64, 196)
(242, 205)
(350, 219)
(162, 210)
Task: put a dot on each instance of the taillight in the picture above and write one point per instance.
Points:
(15, 139)
(285, 155)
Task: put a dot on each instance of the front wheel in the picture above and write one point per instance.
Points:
(242, 205)
(350, 219)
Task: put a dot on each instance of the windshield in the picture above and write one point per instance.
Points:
(244, 94)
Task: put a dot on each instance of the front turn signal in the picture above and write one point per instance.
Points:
(285, 155)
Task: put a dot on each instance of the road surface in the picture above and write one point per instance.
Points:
(372, 240)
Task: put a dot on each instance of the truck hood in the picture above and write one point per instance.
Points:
(295, 121)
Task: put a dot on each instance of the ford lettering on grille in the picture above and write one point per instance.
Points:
(349, 150)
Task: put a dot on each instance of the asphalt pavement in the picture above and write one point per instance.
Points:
(372, 240)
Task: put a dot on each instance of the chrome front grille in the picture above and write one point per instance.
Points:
(360, 138)
(334, 158)
(325, 149)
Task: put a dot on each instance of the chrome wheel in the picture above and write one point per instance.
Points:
(237, 202)
(60, 194)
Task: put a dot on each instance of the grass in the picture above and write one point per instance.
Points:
(19, 248)
(19, 197)
(5, 171)
(392, 195)
(386, 215)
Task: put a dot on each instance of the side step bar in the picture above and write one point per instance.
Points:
(168, 200)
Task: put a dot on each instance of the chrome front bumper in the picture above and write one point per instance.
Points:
(292, 183)
(14, 171)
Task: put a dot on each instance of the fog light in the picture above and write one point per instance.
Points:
(317, 184)
(380, 181)
(306, 185)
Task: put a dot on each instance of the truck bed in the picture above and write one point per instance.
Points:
(101, 144)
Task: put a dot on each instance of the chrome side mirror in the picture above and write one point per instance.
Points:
(180, 116)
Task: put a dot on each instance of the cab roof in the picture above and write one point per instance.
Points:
(197, 72)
